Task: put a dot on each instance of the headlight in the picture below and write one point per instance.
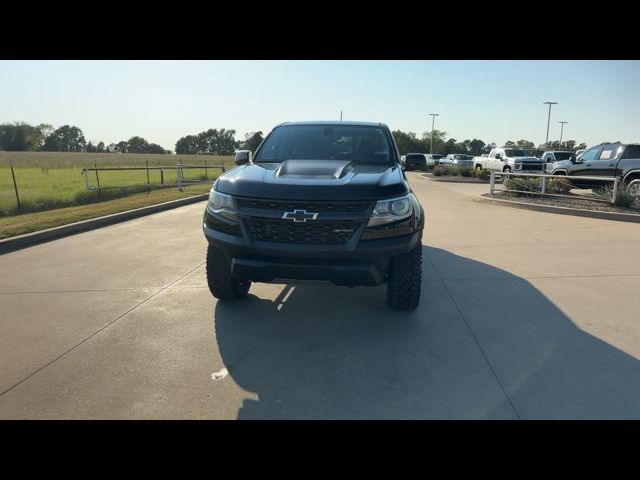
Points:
(387, 211)
(221, 204)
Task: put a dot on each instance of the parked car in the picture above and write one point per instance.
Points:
(554, 159)
(414, 161)
(433, 159)
(318, 201)
(508, 160)
(458, 160)
(606, 160)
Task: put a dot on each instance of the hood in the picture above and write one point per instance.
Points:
(562, 164)
(313, 180)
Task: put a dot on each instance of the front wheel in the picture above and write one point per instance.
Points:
(634, 187)
(405, 280)
(221, 284)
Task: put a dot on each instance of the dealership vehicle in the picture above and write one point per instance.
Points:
(605, 160)
(508, 160)
(458, 160)
(433, 159)
(414, 161)
(317, 201)
(556, 159)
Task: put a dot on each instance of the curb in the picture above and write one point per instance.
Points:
(620, 217)
(29, 239)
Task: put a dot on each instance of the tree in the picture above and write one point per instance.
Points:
(211, 142)
(408, 142)
(137, 145)
(476, 147)
(20, 136)
(252, 140)
(121, 147)
(91, 148)
(187, 145)
(155, 148)
(100, 147)
(450, 146)
(65, 139)
(439, 137)
(509, 144)
(525, 144)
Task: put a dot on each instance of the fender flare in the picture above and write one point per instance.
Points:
(629, 173)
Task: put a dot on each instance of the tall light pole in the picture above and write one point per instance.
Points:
(433, 122)
(548, 120)
(561, 130)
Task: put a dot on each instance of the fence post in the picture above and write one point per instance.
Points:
(492, 183)
(205, 168)
(179, 176)
(544, 183)
(95, 165)
(147, 163)
(15, 185)
(615, 190)
(85, 174)
(162, 176)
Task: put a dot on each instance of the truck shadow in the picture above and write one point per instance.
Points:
(327, 352)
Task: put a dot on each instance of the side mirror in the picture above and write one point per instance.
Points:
(242, 157)
(574, 160)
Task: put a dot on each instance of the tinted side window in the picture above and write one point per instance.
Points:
(631, 151)
(590, 154)
(609, 153)
(415, 157)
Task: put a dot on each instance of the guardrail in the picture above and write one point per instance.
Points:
(180, 180)
(543, 184)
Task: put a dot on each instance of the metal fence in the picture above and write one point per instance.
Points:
(545, 181)
(179, 169)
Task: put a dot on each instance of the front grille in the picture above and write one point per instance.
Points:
(317, 207)
(532, 166)
(283, 231)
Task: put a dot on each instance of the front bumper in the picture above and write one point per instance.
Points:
(361, 262)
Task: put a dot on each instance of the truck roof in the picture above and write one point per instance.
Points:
(335, 122)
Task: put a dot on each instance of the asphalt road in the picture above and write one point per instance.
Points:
(523, 315)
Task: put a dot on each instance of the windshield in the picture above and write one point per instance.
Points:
(362, 144)
(563, 155)
(515, 153)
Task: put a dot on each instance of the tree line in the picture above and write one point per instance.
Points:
(20, 136)
(408, 142)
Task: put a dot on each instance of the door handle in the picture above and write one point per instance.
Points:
(612, 164)
(588, 165)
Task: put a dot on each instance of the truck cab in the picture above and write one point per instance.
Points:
(508, 160)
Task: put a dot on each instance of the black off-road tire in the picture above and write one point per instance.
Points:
(405, 280)
(221, 284)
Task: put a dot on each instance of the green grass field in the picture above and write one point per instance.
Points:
(48, 180)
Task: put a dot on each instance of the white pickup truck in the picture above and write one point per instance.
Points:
(508, 160)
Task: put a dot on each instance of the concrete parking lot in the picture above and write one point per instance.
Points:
(524, 315)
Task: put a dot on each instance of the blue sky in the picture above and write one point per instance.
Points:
(495, 101)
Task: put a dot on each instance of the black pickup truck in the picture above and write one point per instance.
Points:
(318, 201)
(605, 160)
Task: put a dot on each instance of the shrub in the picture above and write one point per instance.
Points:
(625, 198)
(558, 185)
(524, 185)
(481, 173)
(438, 171)
(466, 171)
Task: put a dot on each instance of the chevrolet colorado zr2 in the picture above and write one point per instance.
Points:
(317, 201)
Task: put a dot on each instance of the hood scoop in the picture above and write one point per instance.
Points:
(320, 169)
